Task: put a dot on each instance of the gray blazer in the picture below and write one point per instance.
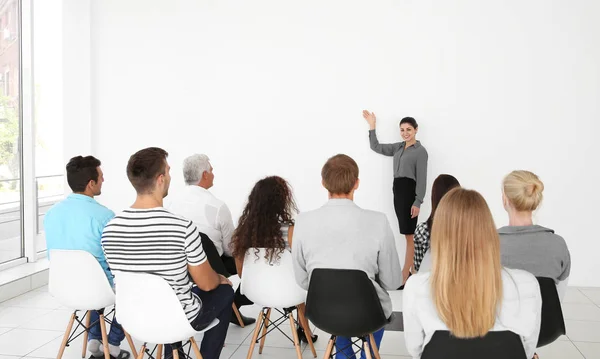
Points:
(342, 235)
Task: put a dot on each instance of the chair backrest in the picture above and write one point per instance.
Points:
(78, 281)
(495, 345)
(150, 310)
(553, 322)
(270, 283)
(344, 302)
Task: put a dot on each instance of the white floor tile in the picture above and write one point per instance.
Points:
(580, 331)
(268, 353)
(9, 357)
(50, 349)
(237, 335)
(574, 295)
(589, 350)
(559, 350)
(55, 320)
(33, 299)
(23, 341)
(586, 312)
(592, 294)
(41, 289)
(228, 351)
(13, 317)
(393, 343)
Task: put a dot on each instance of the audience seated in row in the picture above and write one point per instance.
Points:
(267, 221)
(341, 235)
(524, 245)
(462, 239)
(468, 292)
(146, 238)
(212, 218)
(76, 223)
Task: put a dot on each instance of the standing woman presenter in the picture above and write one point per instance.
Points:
(410, 179)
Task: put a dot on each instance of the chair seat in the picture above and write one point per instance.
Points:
(172, 336)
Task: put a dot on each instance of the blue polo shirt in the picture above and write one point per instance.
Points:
(77, 223)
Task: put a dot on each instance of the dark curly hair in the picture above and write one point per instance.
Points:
(270, 205)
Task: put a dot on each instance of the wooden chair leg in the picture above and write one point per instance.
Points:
(306, 326)
(367, 349)
(259, 321)
(264, 332)
(374, 346)
(85, 334)
(329, 348)
(238, 315)
(132, 344)
(142, 351)
(176, 354)
(159, 351)
(195, 347)
(104, 337)
(66, 337)
(295, 334)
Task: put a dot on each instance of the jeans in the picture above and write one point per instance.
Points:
(346, 351)
(116, 334)
(216, 304)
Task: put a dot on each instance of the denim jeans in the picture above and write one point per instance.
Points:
(216, 304)
(345, 350)
(115, 335)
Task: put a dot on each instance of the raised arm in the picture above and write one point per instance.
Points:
(421, 178)
(387, 149)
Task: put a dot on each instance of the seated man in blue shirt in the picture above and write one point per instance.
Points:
(76, 223)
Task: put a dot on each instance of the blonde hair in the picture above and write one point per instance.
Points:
(466, 276)
(523, 189)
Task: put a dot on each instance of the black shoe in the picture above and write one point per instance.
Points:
(302, 336)
(246, 320)
(180, 352)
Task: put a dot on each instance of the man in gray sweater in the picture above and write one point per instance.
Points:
(342, 235)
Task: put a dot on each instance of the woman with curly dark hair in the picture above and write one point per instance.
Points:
(266, 222)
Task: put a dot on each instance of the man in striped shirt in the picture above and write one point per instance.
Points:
(147, 238)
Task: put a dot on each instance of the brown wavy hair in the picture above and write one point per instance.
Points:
(270, 205)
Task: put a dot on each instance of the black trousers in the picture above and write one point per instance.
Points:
(404, 196)
(223, 265)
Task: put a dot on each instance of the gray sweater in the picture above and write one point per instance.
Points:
(341, 235)
(409, 162)
(535, 249)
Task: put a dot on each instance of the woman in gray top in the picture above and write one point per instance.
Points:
(410, 178)
(524, 245)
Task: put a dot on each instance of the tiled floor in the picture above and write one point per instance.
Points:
(32, 325)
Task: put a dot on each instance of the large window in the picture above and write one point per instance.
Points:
(11, 196)
(47, 69)
(31, 125)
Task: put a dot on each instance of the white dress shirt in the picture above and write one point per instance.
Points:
(209, 214)
(520, 311)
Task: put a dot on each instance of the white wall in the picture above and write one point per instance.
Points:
(272, 87)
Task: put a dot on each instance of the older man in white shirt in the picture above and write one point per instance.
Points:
(210, 215)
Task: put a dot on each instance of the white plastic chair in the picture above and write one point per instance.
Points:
(272, 285)
(78, 282)
(152, 313)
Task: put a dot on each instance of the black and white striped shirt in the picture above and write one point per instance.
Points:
(158, 242)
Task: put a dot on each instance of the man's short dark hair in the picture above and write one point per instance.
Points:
(144, 167)
(80, 171)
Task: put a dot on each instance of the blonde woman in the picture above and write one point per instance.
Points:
(467, 291)
(524, 245)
